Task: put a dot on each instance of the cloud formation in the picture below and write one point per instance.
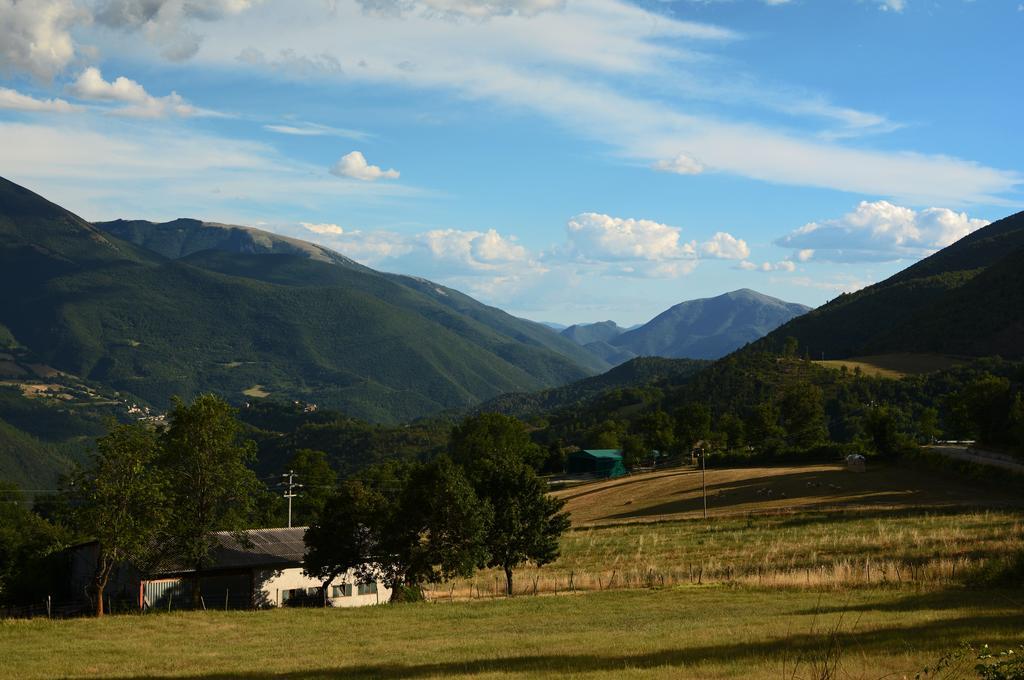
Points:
(91, 85)
(780, 266)
(594, 236)
(13, 100)
(354, 165)
(35, 36)
(546, 64)
(474, 9)
(880, 232)
(166, 23)
(725, 246)
(322, 228)
(681, 164)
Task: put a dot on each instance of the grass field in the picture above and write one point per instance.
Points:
(894, 365)
(676, 494)
(686, 632)
(875, 565)
(819, 527)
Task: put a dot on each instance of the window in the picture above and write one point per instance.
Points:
(344, 590)
(368, 588)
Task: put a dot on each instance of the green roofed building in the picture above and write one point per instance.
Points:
(598, 462)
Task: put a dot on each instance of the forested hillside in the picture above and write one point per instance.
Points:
(967, 299)
(304, 325)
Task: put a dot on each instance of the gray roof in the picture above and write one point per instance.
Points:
(261, 548)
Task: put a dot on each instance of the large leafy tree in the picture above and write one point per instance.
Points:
(119, 500)
(802, 411)
(318, 481)
(25, 540)
(212, 488)
(347, 534)
(404, 524)
(482, 440)
(525, 522)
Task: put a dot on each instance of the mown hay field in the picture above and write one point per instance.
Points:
(812, 526)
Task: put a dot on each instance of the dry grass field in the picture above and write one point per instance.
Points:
(894, 365)
(813, 526)
(676, 494)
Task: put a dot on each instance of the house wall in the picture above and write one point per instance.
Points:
(272, 583)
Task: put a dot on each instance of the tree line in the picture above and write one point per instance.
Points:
(149, 495)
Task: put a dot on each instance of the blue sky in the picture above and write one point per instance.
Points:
(565, 160)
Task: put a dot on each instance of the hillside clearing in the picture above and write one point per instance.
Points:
(894, 366)
(706, 632)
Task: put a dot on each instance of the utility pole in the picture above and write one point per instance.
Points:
(289, 491)
(703, 480)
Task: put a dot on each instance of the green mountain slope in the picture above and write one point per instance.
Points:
(184, 237)
(709, 328)
(641, 372)
(296, 326)
(586, 333)
(964, 299)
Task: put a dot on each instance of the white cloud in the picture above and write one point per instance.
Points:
(725, 246)
(474, 9)
(892, 5)
(880, 231)
(156, 173)
(16, 101)
(91, 85)
(323, 228)
(594, 236)
(167, 23)
(681, 164)
(548, 64)
(35, 35)
(354, 165)
(315, 130)
(780, 266)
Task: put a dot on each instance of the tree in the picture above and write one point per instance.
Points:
(802, 415)
(762, 427)
(212, 489)
(881, 428)
(346, 535)
(657, 430)
(404, 524)
(318, 482)
(26, 539)
(731, 426)
(987, 401)
(634, 452)
(928, 425)
(488, 437)
(119, 499)
(693, 424)
(527, 522)
(524, 524)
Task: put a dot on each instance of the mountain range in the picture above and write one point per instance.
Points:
(708, 328)
(153, 310)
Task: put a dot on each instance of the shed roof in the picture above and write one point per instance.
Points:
(603, 453)
(260, 548)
